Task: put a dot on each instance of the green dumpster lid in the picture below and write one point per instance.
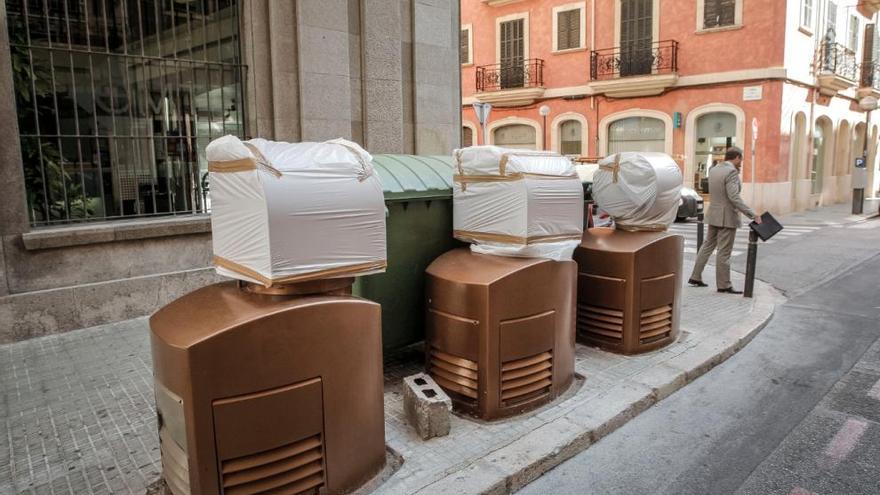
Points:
(406, 177)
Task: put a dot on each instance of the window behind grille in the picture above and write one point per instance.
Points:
(718, 13)
(464, 46)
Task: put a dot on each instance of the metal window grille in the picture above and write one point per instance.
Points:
(116, 101)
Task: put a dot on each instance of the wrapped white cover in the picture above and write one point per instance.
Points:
(289, 212)
(517, 203)
(641, 191)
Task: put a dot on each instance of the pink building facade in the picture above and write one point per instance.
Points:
(689, 78)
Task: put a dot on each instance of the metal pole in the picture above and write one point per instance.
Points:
(700, 229)
(544, 134)
(751, 260)
(858, 205)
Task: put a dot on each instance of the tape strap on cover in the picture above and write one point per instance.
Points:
(614, 168)
(348, 270)
(245, 164)
(465, 179)
(467, 235)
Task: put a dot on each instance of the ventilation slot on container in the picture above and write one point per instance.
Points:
(526, 379)
(296, 468)
(455, 374)
(656, 324)
(175, 465)
(602, 323)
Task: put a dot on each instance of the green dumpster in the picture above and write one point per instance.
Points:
(418, 195)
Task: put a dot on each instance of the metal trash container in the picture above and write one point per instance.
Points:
(500, 334)
(418, 195)
(269, 390)
(629, 289)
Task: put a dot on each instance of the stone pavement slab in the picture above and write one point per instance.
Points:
(78, 412)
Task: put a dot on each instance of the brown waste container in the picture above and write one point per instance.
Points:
(263, 393)
(500, 331)
(629, 288)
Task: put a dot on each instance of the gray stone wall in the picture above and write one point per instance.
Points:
(384, 73)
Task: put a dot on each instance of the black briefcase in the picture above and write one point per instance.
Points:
(768, 227)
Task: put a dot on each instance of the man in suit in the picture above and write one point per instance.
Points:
(723, 218)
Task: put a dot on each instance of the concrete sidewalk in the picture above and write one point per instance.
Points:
(79, 418)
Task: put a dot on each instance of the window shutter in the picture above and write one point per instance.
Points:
(463, 45)
(574, 29)
(568, 29)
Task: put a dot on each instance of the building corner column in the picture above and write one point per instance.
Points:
(13, 214)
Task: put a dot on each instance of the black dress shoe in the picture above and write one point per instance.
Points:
(730, 290)
(697, 283)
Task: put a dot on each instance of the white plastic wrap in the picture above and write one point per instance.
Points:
(289, 212)
(517, 203)
(641, 191)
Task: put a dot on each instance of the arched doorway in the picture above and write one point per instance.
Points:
(842, 149)
(570, 132)
(822, 144)
(636, 134)
(715, 132)
(467, 137)
(873, 177)
(519, 136)
(798, 154)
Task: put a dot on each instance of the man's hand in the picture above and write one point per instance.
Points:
(757, 219)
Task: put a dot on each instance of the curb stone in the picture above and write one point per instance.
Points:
(520, 462)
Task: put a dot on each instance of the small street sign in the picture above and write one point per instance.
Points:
(482, 110)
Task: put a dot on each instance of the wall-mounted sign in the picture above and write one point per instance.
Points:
(753, 93)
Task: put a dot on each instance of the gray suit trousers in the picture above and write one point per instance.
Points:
(722, 238)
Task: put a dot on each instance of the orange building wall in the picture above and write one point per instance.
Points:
(759, 44)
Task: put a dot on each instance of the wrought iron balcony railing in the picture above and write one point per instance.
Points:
(837, 59)
(870, 75)
(526, 74)
(634, 59)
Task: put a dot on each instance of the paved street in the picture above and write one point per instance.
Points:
(796, 412)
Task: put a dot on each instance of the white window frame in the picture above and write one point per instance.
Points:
(807, 23)
(737, 18)
(582, 42)
(556, 134)
(512, 17)
(852, 35)
(470, 49)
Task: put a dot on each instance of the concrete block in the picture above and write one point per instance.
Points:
(327, 14)
(433, 24)
(383, 100)
(427, 407)
(324, 51)
(325, 96)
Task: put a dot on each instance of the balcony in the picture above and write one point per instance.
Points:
(869, 83)
(838, 69)
(510, 85)
(634, 70)
(870, 7)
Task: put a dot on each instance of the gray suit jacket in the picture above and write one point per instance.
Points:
(725, 203)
